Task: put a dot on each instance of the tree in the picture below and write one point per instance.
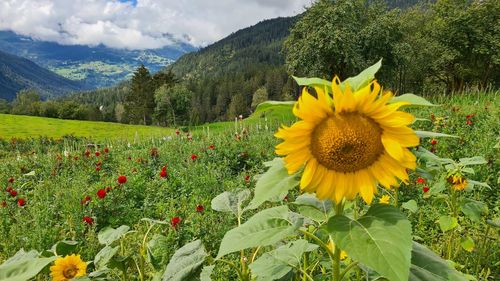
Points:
(139, 103)
(27, 102)
(237, 106)
(4, 106)
(259, 96)
(172, 104)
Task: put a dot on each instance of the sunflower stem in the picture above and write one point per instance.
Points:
(339, 210)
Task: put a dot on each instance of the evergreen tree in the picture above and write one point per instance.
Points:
(140, 103)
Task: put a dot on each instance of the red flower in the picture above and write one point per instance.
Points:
(190, 138)
(88, 198)
(3, 204)
(8, 189)
(433, 116)
(122, 179)
(433, 149)
(101, 193)
(88, 220)
(468, 122)
(177, 132)
(98, 163)
(175, 221)
(164, 168)
(247, 178)
(11, 180)
(163, 174)
(434, 141)
(129, 158)
(421, 180)
(97, 153)
(200, 208)
(106, 150)
(13, 192)
(87, 153)
(425, 189)
(76, 158)
(108, 189)
(21, 202)
(469, 116)
(98, 169)
(286, 198)
(211, 147)
(194, 156)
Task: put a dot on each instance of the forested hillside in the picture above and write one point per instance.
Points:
(17, 73)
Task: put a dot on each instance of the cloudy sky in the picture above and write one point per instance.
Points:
(138, 24)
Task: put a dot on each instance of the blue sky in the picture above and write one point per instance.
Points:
(138, 24)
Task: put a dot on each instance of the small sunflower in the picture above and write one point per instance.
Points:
(68, 268)
(349, 143)
(458, 182)
(385, 199)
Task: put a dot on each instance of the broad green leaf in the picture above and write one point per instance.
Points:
(436, 188)
(481, 184)
(427, 134)
(447, 223)
(23, 266)
(310, 206)
(274, 184)
(412, 99)
(363, 79)
(104, 256)
(206, 272)
(231, 201)
(476, 160)
(20, 255)
(65, 247)
(265, 228)
(410, 205)
(473, 209)
(186, 262)
(152, 221)
(109, 235)
(495, 222)
(276, 264)
(426, 265)
(467, 244)
(157, 246)
(381, 239)
(314, 82)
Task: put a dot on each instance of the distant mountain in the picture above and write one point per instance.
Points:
(95, 67)
(18, 73)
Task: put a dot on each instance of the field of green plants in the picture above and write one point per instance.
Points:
(127, 207)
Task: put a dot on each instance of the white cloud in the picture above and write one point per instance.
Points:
(145, 24)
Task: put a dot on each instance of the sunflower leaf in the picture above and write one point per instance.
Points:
(273, 184)
(427, 134)
(426, 265)
(23, 266)
(263, 229)
(231, 201)
(108, 235)
(186, 263)
(362, 79)
(314, 82)
(381, 239)
(412, 99)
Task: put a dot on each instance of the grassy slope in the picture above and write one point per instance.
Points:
(28, 126)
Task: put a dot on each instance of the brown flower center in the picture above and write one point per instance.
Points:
(347, 142)
(70, 272)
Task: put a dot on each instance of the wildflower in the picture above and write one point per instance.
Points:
(21, 202)
(425, 189)
(106, 150)
(434, 141)
(194, 156)
(175, 221)
(122, 179)
(107, 189)
(68, 268)
(177, 132)
(163, 174)
(286, 198)
(97, 153)
(88, 220)
(433, 116)
(13, 193)
(75, 158)
(469, 116)
(98, 169)
(88, 198)
(420, 180)
(87, 153)
(211, 147)
(190, 138)
(11, 179)
(247, 178)
(154, 152)
(8, 189)
(101, 193)
(200, 208)
(3, 204)
(331, 247)
(468, 122)
(129, 158)
(385, 199)
(98, 163)
(349, 143)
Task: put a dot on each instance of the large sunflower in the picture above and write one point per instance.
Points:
(68, 268)
(349, 143)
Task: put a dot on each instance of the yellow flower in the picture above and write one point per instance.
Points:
(458, 182)
(331, 246)
(349, 143)
(384, 199)
(68, 268)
